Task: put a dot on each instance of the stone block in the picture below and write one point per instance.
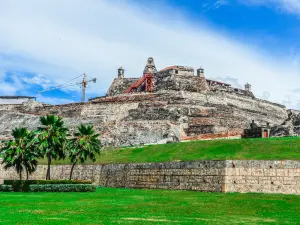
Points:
(245, 172)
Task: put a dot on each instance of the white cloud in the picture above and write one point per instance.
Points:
(63, 39)
(9, 88)
(39, 80)
(53, 100)
(291, 6)
(210, 5)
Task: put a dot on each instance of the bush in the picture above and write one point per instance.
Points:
(23, 185)
(17, 185)
(10, 182)
(60, 182)
(62, 188)
(5, 188)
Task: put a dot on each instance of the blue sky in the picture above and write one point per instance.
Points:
(47, 43)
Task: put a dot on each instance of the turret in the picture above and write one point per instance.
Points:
(121, 72)
(200, 72)
(202, 85)
(150, 66)
(248, 87)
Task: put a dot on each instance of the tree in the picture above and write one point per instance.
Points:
(20, 152)
(85, 144)
(52, 138)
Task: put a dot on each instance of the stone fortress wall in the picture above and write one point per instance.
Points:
(183, 106)
(144, 118)
(209, 176)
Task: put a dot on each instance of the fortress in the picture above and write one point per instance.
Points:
(172, 104)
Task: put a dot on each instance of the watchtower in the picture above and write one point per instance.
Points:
(200, 72)
(121, 72)
(150, 66)
(248, 87)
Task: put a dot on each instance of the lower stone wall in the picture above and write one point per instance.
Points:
(263, 176)
(199, 175)
(210, 176)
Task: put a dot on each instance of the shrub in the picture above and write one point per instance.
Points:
(60, 182)
(5, 188)
(17, 185)
(23, 185)
(62, 188)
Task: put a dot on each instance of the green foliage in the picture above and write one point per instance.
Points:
(12, 182)
(60, 182)
(52, 139)
(85, 145)
(24, 185)
(18, 185)
(5, 188)
(20, 152)
(49, 140)
(62, 188)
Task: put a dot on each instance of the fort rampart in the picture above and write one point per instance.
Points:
(147, 118)
(209, 176)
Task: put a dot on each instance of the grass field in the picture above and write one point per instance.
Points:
(125, 206)
(255, 149)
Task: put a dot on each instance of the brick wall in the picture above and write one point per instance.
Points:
(211, 176)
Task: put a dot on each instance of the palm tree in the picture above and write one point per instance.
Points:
(85, 144)
(52, 137)
(20, 152)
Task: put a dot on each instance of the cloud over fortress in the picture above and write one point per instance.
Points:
(46, 43)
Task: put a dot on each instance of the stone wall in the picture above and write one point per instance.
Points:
(146, 118)
(290, 127)
(263, 176)
(120, 85)
(209, 176)
(176, 82)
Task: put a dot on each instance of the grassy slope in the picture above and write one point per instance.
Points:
(125, 206)
(256, 149)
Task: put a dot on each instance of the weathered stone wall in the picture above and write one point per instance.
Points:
(120, 85)
(135, 119)
(290, 127)
(178, 82)
(210, 176)
(263, 176)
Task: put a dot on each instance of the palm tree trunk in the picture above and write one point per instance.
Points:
(48, 169)
(72, 169)
(27, 176)
(20, 174)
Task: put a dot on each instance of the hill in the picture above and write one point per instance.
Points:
(287, 148)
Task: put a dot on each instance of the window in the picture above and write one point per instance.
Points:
(176, 71)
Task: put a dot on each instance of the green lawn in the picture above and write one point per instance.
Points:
(128, 206)
(255, 149)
